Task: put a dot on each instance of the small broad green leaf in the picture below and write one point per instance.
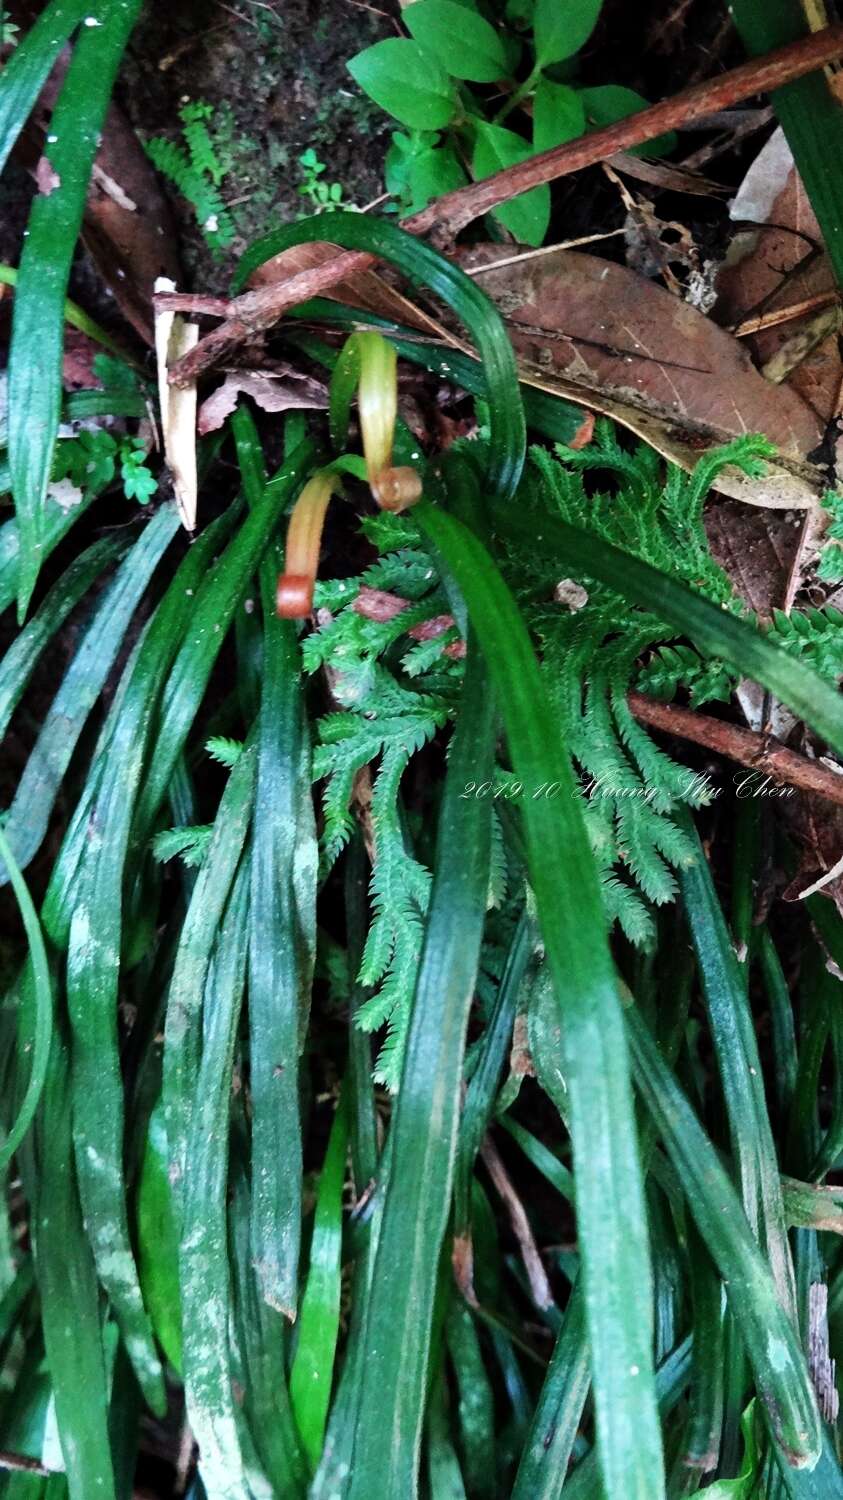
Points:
(114, 374)
(610, 102)
(558, 114)
(528, 215)
(405, 81)
(561, 29)
(460, 40)
(417, 169)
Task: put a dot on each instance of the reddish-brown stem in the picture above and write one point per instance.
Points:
(453, 211)
(192, 302)
(755, 751)
(254, 311)
(447, 215)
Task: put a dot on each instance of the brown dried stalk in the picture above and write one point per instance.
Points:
(540, 1290)
(755, 751)
(254, 311)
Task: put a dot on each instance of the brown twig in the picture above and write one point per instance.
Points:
(254, 311)
(780, 315)
(744, 746)
(192, 302)
(453, 211)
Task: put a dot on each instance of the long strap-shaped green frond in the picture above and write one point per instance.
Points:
(35, 354)
(592, 1046)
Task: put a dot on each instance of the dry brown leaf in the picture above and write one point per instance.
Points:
(816, 827)
(78, 355)
(662, 175)
(271, 391)
(46, 177)
(127, 229)
(606, 338)
(777, 264)
(756, 550)
(655, 245)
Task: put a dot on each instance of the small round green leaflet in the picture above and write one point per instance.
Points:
(610, 1208)
(38, 975)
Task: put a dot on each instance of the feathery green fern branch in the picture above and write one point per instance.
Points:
(196, 170)
(387, 645)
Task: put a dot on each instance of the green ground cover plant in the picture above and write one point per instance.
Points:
(522, 54)
(399, 1095)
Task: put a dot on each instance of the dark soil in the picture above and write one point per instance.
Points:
(274, 72)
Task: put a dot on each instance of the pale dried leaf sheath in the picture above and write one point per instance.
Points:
(173, 339)
(163, 329)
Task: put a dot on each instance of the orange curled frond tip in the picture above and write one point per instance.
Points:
(294, 596)
(396, 489)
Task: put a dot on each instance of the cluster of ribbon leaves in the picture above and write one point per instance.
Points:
(158, 1040)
